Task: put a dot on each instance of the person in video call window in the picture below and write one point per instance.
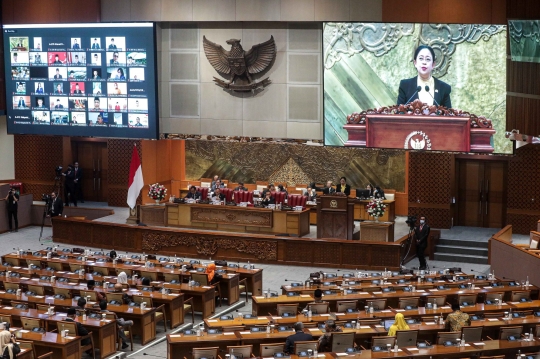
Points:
(97, 104)
(439, 91)
(58, 90)
(39, 102)
(21, 103)
(15, 58)
(138, 122)
(100, 120)
(58, 105)
(120, 75)
(76, 60)
(96, 60)
(77, 90)
(95, 44)
(112, 46)
(57, 75)
(130, 61)
(75, 44)
(114, 60)
(116, 90)
(20, 87)
(57, 60)
(95, 76)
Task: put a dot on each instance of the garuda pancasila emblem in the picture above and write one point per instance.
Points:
(238, 65)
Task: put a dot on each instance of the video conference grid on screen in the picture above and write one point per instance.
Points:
(81, 80)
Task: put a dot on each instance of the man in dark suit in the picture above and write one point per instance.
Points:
(297, 337)
(77, 90)
(12, 200)
(240, 187)
(69, 186)
(218, 196)
(408, 87)
(57, 76)
(77, 173)
(21, 103)
(75, 45)
(343, 187)
(421, 235)
(95, 44)
(112, 46)
(81, 331)
(193, 194)
(56, 207)
(328, 189)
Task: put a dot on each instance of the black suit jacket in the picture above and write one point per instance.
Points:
(422, 235)
(81, 331)
(265, 202)
(328, 190)
(298, 337)
(57, 207)
(347, 189)
(196, 195)
(408, 87)
(221, 196)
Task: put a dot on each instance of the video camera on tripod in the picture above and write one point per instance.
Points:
(411, 221)
(58, 171)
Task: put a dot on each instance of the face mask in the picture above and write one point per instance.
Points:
(422, 221)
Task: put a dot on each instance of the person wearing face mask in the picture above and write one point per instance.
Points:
(432, 91)
(421, 235)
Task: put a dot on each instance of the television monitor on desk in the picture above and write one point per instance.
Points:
(362, 193)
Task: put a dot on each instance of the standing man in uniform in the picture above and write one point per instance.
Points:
(77, 172)
(421, 234)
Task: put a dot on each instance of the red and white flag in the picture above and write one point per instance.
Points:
(136, 182)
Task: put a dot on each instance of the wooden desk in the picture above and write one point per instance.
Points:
(153, 215)
(61, 347)
(360, 213)
(377, 231)
(203, 297)
(144, 323)
(238, 219)
(180, 345)
(104, 332)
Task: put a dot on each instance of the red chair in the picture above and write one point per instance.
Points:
(243, 196)
(228, 192)
(204, 192)
(297, 200)
(279, 197)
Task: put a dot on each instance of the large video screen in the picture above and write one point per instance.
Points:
(81, 80)
(372, 66)
(524, 40)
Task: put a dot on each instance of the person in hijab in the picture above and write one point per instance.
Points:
(122, 278)
(8, 346)
(213, 277)
(399, 324)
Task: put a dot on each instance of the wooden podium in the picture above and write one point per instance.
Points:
(335, 217)
(420, 127)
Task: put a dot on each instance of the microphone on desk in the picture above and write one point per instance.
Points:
(418, 89)
(427, 90)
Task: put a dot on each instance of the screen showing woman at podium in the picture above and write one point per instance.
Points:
(424, 86)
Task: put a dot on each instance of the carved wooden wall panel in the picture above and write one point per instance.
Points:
(119, 152)
(298, 252)
(36, 157)
(326, 253)
(354, 254)
(294, 163)
(523, 210)
(430, 187)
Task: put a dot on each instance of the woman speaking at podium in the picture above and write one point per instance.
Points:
(425, 87)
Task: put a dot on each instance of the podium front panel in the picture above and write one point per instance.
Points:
(338, 203)
(437, 133)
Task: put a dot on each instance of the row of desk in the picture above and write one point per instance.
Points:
(179, 346)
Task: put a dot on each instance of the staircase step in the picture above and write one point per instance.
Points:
(475, 251)
(464, 258)
(463, 243)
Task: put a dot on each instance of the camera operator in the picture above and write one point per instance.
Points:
(12, 199)
(56, 207)
(69, 186)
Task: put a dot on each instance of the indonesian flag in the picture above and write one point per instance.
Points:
(136, 182)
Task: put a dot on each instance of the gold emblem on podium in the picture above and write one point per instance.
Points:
(417, 140)
(333, 203)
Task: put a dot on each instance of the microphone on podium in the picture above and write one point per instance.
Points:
(427, 90)
(418, 89)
